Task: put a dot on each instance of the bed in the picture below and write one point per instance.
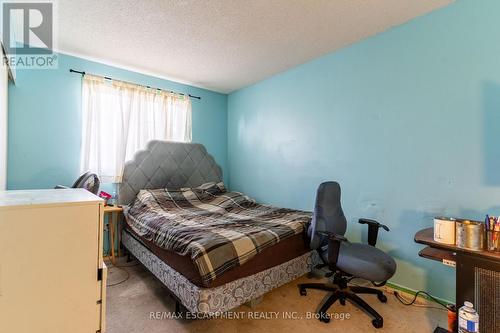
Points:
(164, 180)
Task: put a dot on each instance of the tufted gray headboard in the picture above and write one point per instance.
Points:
(167, 164)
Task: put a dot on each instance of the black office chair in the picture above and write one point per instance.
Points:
(346, 260)
(89, 181)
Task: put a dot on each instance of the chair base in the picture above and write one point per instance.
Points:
(343, 293)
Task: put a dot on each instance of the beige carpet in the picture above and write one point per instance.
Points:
(141, 303)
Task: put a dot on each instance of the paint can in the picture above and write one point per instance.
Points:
(444, 230)
(470, 235)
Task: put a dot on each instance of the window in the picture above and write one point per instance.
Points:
(119, 118)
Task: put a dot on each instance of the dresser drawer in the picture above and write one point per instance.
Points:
(101, 300)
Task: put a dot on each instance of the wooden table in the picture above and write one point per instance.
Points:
(444, 251)
(113, 213)
(477, 275)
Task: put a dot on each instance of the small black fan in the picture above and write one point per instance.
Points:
(89, 181)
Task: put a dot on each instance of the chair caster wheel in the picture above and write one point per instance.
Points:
(324, 318)
(378, 323)
(302, 292)
(382, 298)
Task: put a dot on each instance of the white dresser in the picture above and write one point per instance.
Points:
(52, 276)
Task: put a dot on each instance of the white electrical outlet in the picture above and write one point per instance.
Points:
(449, 263)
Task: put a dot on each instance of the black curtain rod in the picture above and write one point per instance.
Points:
(108, 78)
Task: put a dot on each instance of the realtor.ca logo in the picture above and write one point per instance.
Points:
(28, 34)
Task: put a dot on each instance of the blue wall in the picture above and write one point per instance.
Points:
(407, 121)
(45, 121)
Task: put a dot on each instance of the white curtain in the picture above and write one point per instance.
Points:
(119, 118)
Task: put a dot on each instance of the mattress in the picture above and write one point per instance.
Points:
(289, 248)
(218, 230)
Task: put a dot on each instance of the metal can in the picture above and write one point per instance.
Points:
(470, 235)
(444, 230)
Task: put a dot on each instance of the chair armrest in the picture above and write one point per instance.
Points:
(374, 223)
(334, 241)
(373, 227)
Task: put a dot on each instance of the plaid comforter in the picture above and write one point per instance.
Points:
(219, 230)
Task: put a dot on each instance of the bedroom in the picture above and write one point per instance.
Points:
(194, 118)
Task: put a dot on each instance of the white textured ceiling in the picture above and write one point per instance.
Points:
(222, 45)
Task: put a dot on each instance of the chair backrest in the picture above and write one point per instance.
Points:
(328, 214)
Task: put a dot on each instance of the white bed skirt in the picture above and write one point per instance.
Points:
(228, 296)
